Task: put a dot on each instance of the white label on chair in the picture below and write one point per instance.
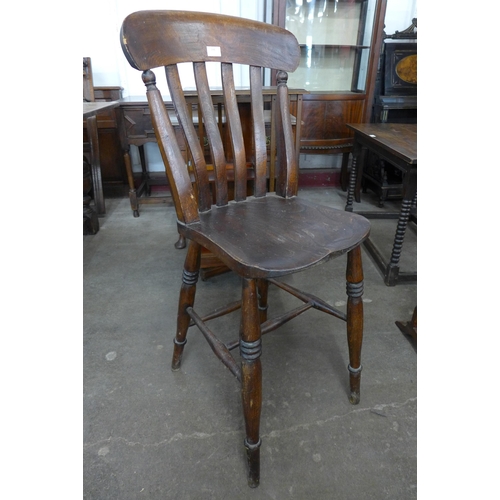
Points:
(213, 51)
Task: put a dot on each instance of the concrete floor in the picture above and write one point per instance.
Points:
(151, 433)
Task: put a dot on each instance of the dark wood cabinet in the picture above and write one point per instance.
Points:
(340, 43)
(395, 102)
(396, 85)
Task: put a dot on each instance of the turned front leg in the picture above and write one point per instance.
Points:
(251, 377)
(186, 299)
(354, 287)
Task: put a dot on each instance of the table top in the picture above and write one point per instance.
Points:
(215, 92)
(398, 138)
(94, 108)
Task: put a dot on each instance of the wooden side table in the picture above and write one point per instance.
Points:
(395, 143)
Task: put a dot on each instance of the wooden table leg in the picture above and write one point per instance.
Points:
(354, 187)
(410, 189)
(359, 173)
(95, 165)
(132, 193)
(90, 219)
(344, 172)
(410, 327)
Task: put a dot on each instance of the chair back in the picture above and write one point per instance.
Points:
(88, 81)
(152, 39)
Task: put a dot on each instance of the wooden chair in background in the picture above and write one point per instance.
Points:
(261, 237)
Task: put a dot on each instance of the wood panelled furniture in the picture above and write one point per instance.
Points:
(111, 139)
(340, 44)
(261, 237)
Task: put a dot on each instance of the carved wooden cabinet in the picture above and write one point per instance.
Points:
(396, 86)
(395, 102)
(340, 44)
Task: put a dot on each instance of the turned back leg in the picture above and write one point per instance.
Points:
(263, 287)
(186, 299)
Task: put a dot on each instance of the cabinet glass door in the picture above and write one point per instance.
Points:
(334, 37)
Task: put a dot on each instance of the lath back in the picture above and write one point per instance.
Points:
(152, 39)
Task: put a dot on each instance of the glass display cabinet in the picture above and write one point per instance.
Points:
(340, 44)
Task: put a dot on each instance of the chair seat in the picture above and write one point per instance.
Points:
(272, 236)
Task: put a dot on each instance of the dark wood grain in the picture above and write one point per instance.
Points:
(259, 136)
(399, 139)
(214, 137)
(235, 131)
(189, 34)
(94, 108)
(250, 237)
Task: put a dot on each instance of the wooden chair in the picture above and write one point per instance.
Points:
(259, 237)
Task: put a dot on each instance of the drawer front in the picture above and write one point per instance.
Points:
(137, 123)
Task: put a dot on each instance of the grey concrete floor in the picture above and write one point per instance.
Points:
(151, 433)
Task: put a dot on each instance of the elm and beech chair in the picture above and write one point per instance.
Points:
(260, 237)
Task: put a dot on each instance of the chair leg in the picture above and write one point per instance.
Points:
(132, 194)
(354, 287)
(262, 286)
(251, 377)
(186, 299)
